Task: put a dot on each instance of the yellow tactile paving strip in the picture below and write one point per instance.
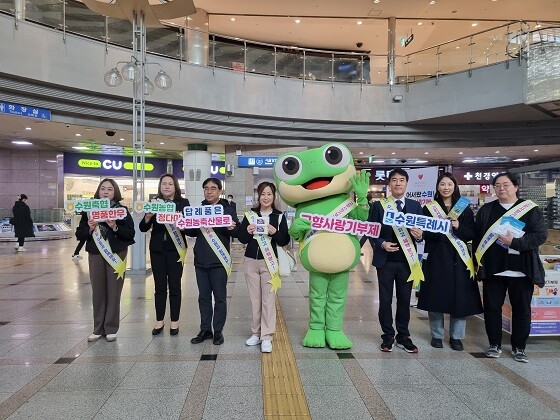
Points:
(283, 394)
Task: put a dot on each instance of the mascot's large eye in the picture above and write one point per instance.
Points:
(337, 156)
(289, 167)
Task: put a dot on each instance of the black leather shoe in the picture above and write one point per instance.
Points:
(156, 331)
(218, 338)
(202, 335)
(437, 343)
(456, 344)
(173, 331)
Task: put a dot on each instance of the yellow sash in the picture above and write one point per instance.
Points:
(178, 241)
(436, 211)
(340, 211)
(105, 250)
(489, 237)
(265, 245)
(217, 247)
(407, 244)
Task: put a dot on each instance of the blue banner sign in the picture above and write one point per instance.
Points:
(24, 111)
(256, 161)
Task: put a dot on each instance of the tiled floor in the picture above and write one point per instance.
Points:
(49, 371)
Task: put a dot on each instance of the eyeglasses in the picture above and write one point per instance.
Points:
(210, 188)
(504, 186)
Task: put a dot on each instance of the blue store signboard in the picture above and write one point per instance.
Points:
(24, 111)
(256, 161)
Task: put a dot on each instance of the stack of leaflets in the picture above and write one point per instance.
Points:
(511, 225)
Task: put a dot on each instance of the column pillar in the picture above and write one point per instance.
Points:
(197, 39)
(196, 164)
(391, 34)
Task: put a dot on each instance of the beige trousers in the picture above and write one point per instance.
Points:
(263, 301)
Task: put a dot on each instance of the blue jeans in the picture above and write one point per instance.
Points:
(456, 326)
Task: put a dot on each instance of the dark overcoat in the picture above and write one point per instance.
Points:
(23, 225)
(447, 287)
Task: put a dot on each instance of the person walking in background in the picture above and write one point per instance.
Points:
(258, 269)
(394, 266)
(212, 264)
(232, 203)
(167, 254)
(76, 255)
(106, 242)
(509, 264)
(449, 286)
(23, 224)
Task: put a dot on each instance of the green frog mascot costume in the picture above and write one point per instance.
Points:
(319, 181)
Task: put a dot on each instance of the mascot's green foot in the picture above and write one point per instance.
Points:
(337, 340)
(314, 338)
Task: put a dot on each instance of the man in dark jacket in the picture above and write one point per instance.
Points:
(212, 264)
(509, 264)
(393, 267)
(23, 224)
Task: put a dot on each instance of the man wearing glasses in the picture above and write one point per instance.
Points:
(509, 233)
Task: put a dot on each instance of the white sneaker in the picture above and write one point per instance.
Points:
(111, 337)
(21, 249)
(93, 338)
(17, 246)
(77, 257)
(266, 346)
(253, 341)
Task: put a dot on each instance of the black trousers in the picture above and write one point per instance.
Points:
(21, 240)
(210, 281)
(520, 291)
(396, 273)
(80, 246)
(167, 272)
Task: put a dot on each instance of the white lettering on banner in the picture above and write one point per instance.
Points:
(430, 224)
(111, 164)
(341, 225)
(198, 222)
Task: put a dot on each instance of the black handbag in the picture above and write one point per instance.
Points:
(12, 220)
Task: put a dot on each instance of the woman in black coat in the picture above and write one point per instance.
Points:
(164, 256)
(23, 225)
(448, 287)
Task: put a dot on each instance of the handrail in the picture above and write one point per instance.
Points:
(361, 61)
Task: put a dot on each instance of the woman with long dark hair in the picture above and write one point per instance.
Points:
(107, 245)
(260, 265)
(449, 286)
(23, 224)
(167, 255)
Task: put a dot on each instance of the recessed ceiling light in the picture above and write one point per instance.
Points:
(497, 151)
(457, 47)
(28, 128)
(426, 153)
(78, 135)
(421, 161)
(376, 1)
(361, 153)
(121, 139)
(51, 161)
(297, 20)
(460, 153)
(393, 153)
(161, 142)
(88, 129)
(378, 161)
(232, 19)
(419, 23)
(536, 150)
(22, 142)
(433, 2)
(474, 24)
(80, 147)
(359, 22)
(520, 160)
(469, 160)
